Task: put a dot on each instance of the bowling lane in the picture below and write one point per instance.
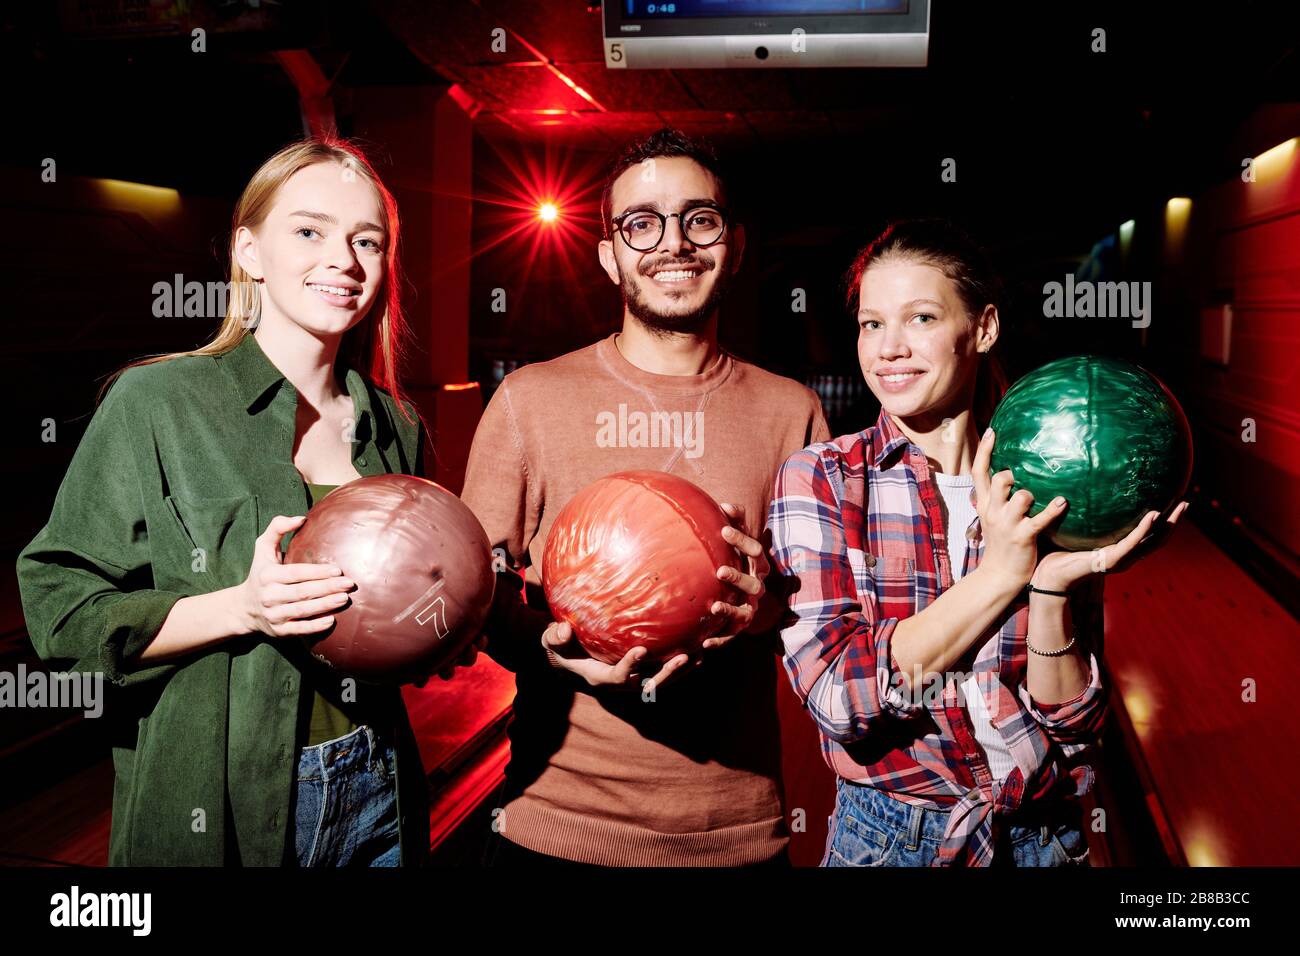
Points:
(1184, 629)
(67, 824)
(450, 717)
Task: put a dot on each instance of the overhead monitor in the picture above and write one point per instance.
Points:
(714, 34)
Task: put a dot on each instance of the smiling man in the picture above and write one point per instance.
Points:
(606, 769)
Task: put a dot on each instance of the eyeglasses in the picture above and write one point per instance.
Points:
(643, 228)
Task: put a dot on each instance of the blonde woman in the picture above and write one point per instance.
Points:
(161, 565)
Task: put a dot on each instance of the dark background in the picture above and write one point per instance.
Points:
(1055, 147)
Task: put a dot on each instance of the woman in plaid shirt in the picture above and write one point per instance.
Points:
(956, 705)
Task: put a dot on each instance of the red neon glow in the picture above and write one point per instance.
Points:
(544, 208)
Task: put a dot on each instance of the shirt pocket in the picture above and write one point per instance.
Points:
(893, 582)
(220, 533)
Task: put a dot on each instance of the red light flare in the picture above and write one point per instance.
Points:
(546, 204)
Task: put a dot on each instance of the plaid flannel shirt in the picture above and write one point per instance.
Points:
(857, 530)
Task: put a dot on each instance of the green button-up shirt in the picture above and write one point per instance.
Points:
(184, 463)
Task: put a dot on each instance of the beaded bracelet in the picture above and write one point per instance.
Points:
(1056, 653)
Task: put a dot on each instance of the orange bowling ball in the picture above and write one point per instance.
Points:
(632, 561)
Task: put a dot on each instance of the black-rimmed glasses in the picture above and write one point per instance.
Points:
(642, 229)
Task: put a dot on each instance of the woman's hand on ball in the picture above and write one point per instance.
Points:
(1061, 570)
(288, 600)
(1010, 535)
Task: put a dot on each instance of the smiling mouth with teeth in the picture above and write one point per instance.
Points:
(340, 291)
(674, 275)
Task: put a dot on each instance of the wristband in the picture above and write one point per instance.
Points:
(1029, 588)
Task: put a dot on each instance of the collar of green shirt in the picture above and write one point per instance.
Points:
(254, 374)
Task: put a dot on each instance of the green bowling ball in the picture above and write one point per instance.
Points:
(1105, 434)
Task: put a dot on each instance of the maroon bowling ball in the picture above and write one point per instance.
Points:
(423, 569)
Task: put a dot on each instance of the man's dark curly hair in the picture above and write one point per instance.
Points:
(662, 142)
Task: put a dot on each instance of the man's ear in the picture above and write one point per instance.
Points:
(605, 252)
(737, 246)
(246, 252)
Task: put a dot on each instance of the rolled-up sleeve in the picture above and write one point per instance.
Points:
(837, 648)
(1078, 722)
(86, 579)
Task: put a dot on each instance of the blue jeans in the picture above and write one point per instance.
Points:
(345, 811)
(871, 828)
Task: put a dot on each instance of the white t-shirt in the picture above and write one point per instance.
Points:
(955, 490)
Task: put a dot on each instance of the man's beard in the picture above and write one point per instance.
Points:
(661, 324)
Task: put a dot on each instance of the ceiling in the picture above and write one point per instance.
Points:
(1002, 50)
(1046, 130)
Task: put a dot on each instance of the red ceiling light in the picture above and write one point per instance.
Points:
(540, 206)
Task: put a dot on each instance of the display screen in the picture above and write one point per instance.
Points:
(674, 9)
